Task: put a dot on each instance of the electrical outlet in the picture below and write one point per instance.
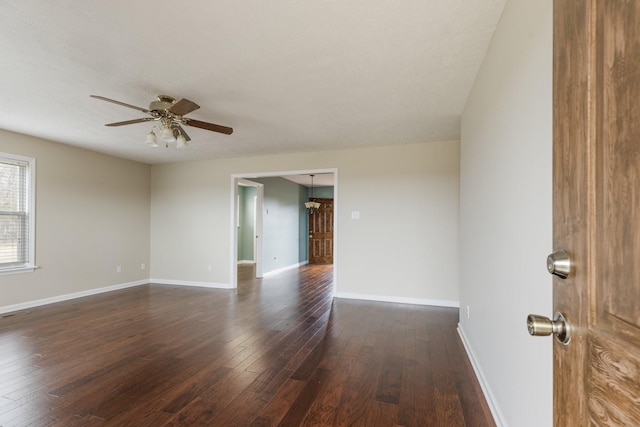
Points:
(118, 269)
(468, 312)
(209, 268)
(142, 266)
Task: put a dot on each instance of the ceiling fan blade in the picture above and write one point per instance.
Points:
(130, 122)
(208, 126)
(186, 135)
(184, 106)
(144, 110)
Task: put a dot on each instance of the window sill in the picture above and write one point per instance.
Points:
(17, 270)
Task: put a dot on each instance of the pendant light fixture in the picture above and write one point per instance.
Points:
(311, 205)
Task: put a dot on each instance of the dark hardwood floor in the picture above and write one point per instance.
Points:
(276, 351)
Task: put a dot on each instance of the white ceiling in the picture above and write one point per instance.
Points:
(288, 76)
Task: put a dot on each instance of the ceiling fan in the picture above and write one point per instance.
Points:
(170, 113)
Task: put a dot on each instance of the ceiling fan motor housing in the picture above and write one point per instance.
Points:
(164, 102)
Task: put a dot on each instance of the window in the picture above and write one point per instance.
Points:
(17, 224)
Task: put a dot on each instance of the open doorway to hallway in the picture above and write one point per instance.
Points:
(281, 235)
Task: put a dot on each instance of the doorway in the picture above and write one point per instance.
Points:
(247, 180)
(249, 225)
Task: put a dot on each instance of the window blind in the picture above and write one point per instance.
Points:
(14, 213)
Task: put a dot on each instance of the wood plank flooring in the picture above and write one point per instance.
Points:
(275, 352)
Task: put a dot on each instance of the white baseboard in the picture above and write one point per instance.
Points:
(289, 267)
(60, 298)
(486, 390)
(402, 300)
(191, 283)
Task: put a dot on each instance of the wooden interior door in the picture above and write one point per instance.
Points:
(596, 210)
(321, 233)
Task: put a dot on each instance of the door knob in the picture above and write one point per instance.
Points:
(543, 326)
(559, 264)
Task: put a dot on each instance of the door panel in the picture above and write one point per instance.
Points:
(597, 210)
(613, 383)
(619, 170)
(321, 233)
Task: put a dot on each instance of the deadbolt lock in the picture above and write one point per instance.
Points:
(559, 264)
(543, 326)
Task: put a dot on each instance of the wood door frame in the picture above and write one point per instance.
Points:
(234, 216)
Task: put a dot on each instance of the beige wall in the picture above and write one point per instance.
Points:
(92, 214)
(405, 244)
(506, 219)
(95, 212)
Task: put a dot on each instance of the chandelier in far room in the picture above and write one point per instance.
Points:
(311, 205)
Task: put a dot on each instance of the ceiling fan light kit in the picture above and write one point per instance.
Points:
(170, 113)
(152, 141)
(181, 142)
(167, 135)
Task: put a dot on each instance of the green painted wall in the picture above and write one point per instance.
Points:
(303, 240)
(284, 222)
(321, 192)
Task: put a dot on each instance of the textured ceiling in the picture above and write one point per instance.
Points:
(288, 76)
